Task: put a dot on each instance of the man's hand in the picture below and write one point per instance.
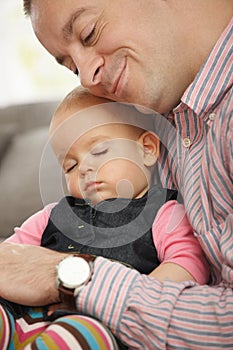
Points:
(28, 274)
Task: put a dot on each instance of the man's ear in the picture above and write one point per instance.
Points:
(150, 143)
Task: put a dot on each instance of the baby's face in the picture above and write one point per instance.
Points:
(101, 158)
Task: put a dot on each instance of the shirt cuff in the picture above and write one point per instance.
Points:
(103, 290)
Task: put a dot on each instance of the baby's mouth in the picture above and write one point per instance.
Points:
(91, 186)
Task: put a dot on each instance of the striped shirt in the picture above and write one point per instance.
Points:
(198, 135)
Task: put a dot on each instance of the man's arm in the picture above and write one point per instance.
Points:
(147, 314)
(27, 273)
(141, 311)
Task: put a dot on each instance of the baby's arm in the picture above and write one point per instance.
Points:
(178, 249)
(171, 271)
(30, 232)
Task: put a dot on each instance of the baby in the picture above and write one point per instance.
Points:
(108, 153)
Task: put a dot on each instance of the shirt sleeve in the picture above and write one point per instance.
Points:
(146, 314)
(31, 231)
(175, 242)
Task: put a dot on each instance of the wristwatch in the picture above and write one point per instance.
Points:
(73, 273)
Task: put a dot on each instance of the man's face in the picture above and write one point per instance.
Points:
(125, 50)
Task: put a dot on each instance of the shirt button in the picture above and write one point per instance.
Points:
(186, 142)
(212, 116)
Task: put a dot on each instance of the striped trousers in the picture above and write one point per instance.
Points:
(68, 332)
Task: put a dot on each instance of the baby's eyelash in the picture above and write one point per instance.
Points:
(70, 168)
(98, 153)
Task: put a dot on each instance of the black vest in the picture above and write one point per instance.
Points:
(118, 229)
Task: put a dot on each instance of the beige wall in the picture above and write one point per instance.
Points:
(27, 72)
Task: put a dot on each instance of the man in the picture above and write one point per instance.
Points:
(174, 57)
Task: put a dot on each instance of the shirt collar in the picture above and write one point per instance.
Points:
(215, 77)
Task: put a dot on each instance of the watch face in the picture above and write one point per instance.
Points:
(73, 272)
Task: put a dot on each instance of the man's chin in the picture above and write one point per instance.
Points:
(144, 109)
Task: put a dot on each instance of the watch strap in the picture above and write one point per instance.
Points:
(68, 296)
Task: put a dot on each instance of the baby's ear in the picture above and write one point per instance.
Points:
(150, 143)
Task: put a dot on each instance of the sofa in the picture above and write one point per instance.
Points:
(30, 176)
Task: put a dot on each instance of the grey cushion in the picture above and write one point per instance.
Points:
(26, 183)
(7, 132)
(20, 179)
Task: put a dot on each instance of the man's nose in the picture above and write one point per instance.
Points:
(89, 65)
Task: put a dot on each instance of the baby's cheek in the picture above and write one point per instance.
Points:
(105, 168)
(73, 186)
(125, 188)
